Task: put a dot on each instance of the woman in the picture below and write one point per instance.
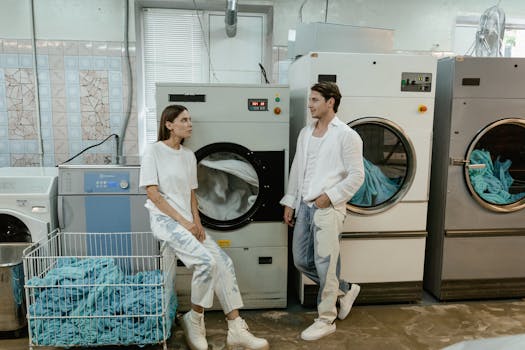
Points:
(169, 174)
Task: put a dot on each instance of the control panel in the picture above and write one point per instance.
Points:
(261, 104)
(257, 104)
(416, 82)
(106, 182)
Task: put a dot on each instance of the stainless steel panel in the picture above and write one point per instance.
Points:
(469, 116)
(484, 257)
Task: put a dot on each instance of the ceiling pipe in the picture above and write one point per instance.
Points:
(231, 18)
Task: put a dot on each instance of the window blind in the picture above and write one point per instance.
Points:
(173, 52)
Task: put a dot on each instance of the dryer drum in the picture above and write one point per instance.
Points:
(13, 230)
(238, 186)
(495, 166)
(390, 163)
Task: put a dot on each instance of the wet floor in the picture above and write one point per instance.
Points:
(423, 326)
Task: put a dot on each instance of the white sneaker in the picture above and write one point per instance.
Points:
(239, 336)
(346, 302)
(317, 330)
(193, 325)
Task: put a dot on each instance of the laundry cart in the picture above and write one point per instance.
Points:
(99, 289)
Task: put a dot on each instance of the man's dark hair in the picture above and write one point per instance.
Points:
(327, 89)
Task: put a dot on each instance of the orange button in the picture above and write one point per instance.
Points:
(277, 110)
(422, 109)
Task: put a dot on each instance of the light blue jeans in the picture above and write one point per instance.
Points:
(315, 248)
(213, 270)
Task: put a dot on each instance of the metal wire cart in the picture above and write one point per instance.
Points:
(91, 289)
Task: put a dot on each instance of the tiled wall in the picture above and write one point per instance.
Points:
(83, 94)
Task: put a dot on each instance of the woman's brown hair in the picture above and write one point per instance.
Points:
(169, 114)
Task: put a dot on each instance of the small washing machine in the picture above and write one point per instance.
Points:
(476, 217)
(389, 100)
(100, 199)
(28, 203)
(240, 139)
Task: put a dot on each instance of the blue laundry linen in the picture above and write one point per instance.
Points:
(92, 302)
(377, 187)
(493, 182)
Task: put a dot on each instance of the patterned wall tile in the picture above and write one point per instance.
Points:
(82, 100)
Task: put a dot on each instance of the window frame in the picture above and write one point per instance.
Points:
(472, 21)
(207, 8)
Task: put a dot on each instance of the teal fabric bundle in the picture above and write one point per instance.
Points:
(492, 183)
(92, 302)
(377, 187)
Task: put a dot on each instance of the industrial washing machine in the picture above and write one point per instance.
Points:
(389, 100)
(28, 202)
(476, 218)
(240, 139)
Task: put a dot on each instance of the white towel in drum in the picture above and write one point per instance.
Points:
(227, 189)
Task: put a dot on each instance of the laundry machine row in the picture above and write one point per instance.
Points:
(476, 217)
(389, 100)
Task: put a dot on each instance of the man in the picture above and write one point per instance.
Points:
(326, 172)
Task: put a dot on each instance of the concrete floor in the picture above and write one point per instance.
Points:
(423, 326)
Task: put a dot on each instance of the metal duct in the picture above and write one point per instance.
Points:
(231, 18)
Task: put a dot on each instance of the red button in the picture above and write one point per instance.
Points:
(277, 110)
(422, 109)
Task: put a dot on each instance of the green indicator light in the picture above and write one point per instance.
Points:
(277, 99)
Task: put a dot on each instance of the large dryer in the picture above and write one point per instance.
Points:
(240, 139)
(476, 218)
(389, 100)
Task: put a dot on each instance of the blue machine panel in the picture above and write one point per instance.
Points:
(109, 213)
(106, 182)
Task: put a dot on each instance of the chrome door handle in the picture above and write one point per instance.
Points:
(463, 162)
(458, 161)
(476, 166)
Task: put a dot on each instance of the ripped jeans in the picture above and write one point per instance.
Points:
(315, 248)
(213, 269)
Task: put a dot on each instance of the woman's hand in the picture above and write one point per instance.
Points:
(196, 229)
(201, 234)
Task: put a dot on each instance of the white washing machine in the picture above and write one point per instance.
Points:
(240, 138)
(389, 100)
(28, 203)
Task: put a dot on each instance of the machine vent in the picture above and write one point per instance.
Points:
(187, 98)
(470, 81)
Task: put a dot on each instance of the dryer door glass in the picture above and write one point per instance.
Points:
(389, 163)
(228, 186)
(13, 229)
(495, 170)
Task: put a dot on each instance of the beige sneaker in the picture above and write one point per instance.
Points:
(346, 302)
(239, 337)
(318, 329)
(193, 325)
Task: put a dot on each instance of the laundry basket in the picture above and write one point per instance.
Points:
(99, 289)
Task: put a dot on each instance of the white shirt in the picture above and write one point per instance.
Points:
(174, 171)
(339, 170)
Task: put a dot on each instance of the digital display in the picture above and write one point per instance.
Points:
(257, 104)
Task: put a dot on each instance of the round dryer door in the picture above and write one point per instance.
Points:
(238, 186)
(495, 166)
(390, 165)
(13, 229)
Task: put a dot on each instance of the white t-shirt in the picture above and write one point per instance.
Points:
(314, 144)
(174, 171)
